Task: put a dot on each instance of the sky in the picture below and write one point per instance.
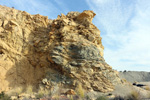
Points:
(124, 26)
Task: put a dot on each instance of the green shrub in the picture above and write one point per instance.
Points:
(87, 97)
(102, 98)
(3, 96)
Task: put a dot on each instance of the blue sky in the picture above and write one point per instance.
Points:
(124, 26)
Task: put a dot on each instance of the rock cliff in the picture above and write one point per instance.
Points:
(67, 51)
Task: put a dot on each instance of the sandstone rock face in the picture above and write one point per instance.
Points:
(66, 51)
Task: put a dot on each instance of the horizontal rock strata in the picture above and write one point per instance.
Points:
(67, 51)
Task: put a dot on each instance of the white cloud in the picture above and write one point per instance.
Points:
(127, 33)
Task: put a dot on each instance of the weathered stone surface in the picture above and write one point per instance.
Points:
(70, 92)
(79, 52)
(66, 51)
(21, 62)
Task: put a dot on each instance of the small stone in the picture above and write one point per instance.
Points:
(1, 22)
(5, 23)
(13, 98)
(134, 83)
(24, 95)
(32, 97)
(111, 96)
(44, 81)
(13, 23)
(91, 38)
(63, 16)
(66, 21)
(70, 92)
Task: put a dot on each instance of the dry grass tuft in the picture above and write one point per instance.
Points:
(15, 91)
(147, 88)
(19, 90)
(135, 95)
(43, 92)
(40, 93)
(80, 90)
(148, 95)
(124, 80)
(29, 89)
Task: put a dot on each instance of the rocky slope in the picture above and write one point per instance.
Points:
(135, 76)
(66, 51)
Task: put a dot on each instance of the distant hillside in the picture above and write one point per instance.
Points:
(138, 76)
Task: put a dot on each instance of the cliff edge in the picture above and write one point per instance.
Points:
(67, 51)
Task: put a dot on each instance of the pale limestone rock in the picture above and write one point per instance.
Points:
(5, 22)
(33, 97)
(91, 38)
(66, 51)
(86, 15)
(70, 92)
(13, 23)
(14, 98)
(1, 22)
(66, 21)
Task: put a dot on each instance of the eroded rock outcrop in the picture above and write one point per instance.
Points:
(66, 51)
